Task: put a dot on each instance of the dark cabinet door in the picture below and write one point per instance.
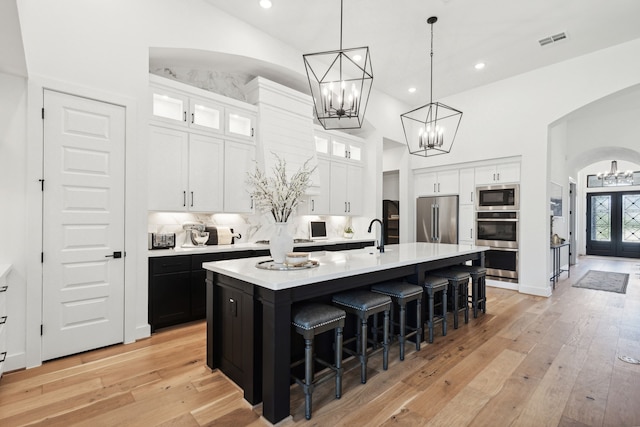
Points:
(169, 299)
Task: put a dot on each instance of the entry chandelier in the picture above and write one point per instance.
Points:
(431, 129)
(340, 85)
(613, 177)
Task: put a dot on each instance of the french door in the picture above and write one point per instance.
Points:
(613, 224)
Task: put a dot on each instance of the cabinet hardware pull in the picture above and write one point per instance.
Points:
(192, 199)
(3, 356)
(185, 116)
(494, 176)
(3, 320)
(438, 187)
(184, 198)
(349, 203)
(345, 206)
(498, 176)
(434, 187)
(313, 205)
(4, 288)
(193, 118)
(251, 132)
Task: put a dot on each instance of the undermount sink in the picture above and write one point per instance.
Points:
(266, 242)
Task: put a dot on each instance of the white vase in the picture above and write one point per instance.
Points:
(281, 242)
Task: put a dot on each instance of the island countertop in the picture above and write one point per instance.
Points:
(335, 265)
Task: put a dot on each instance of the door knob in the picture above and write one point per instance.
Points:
(114, 255)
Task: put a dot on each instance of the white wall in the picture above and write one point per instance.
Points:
(13, 162)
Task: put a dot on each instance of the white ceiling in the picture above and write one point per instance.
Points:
(503, 34)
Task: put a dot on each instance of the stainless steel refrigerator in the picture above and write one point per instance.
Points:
(437, 219)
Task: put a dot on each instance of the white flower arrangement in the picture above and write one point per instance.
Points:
(276, 194)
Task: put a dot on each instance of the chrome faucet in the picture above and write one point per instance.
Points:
(381, 247)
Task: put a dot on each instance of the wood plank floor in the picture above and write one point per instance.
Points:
(529, 361)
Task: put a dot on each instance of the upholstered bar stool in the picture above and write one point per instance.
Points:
(478, 295)
(310, 320)
(364, 304)
(401, 293)
(433, 285)
(459, 291)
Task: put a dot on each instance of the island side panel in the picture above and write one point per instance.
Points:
(276, 353)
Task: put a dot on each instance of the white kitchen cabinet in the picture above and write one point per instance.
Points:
(185, 171)
(4, 272)
(179, 109)
(342, 148)
(320, 204)
(497, 174)
(240, 123)
(466, 224)
(239, 159)
(346, 189)
(467, 186)
(436, 183)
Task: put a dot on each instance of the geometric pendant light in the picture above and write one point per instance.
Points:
(430, 130)
(340, 83)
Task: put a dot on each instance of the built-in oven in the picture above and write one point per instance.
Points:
(499, 230)
(498, 197)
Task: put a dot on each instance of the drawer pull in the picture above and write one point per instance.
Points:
(3, 320)
(3, 356)
(4, 288)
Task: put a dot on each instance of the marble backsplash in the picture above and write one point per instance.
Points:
(254, 227)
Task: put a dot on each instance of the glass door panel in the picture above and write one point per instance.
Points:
(613, 226)
(601, 218)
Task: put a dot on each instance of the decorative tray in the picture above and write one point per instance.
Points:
(271, 265)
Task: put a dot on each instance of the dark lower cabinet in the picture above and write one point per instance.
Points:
(177, 290)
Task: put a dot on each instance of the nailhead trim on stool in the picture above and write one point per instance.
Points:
(435, 284)
(364, 304)
(478, 295)
(458, 281)
(401, 293)
(310, 320)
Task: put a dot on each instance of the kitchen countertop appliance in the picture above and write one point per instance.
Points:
(193, 230)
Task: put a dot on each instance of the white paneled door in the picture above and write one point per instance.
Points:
(83, 225)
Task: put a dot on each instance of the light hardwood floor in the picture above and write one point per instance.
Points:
(529, 361)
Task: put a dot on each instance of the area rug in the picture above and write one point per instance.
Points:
(604, 281)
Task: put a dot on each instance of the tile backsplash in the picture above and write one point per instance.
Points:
(253, 227)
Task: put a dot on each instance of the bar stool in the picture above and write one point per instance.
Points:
(459, 282)
(364, 304)
(434, 284)
(401, 293)
(310, 320)
(478, 295)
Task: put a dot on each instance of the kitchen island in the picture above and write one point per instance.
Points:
(249, 309)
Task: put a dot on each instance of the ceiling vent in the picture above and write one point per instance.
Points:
(552, 39)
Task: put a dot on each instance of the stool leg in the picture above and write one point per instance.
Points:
(403, 319)
(444, 312)
(308, 377)
(474, 296)
(385, 350)
(455, 305)
(363, 350)
(430, 314)
(338, 362)
(482, 284)
(374, 330)
(465, 294)
(418, 323)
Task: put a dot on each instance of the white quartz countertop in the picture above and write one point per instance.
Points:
(246, 246)
(334, 265)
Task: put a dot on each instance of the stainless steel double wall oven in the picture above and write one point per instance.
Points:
(497, 226)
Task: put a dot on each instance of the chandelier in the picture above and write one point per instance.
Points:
(340, 83)
(431, 129)
(613, 177)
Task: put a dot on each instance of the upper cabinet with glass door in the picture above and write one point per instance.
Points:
(346, 149)
(182, 105)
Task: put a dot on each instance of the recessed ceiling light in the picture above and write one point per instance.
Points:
(266, 4)
(357, 57)
(412, 89)
(479, 65)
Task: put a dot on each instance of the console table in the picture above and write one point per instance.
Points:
(557, 269)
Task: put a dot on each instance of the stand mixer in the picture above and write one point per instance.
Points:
(194, 234)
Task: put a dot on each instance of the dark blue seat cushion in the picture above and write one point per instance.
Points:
(397, 289)
(471, 269)
(362, 300)
(314, 315)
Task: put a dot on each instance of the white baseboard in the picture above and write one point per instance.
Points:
(15, 361)
(143, 331)
(503, 285)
